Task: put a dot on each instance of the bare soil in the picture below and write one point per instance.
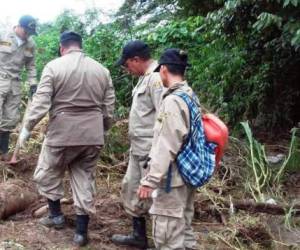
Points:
(219, 230)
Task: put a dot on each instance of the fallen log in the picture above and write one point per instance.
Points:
(267, 208)
(253, 207)
(15, 196)
(39, 212)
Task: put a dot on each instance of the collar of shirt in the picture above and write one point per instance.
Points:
(20, 42)
(151, 67)
(74, 50)
(175, 87)
(150, 70)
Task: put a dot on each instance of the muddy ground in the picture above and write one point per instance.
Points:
(22, 231)
(219, 230)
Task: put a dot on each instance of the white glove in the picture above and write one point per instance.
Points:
(154, 194)
(24, 136)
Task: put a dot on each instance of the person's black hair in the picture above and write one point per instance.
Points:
(144, 55)
(69, 43)
(176, 69)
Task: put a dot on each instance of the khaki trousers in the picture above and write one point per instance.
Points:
(10, 100)
(131, 181)
(172, 215)
(81, 162)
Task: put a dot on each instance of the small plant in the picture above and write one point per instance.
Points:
(265, 179)
(292, 154)
(258, 164)
(288, 218)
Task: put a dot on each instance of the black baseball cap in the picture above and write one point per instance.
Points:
(132, 49)
(173, 56)
(28, 23)
(70, 36)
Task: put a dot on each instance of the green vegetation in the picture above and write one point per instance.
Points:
(244, 53)
(262, 179)
(245, 57)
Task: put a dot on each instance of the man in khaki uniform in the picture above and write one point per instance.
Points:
(78, 93)
(146, 97)
(172, 210)
(17, 50)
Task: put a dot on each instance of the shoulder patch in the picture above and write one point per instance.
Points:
(4, 43)
(162, 116)
(157, 84)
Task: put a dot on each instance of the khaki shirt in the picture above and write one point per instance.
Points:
(170, 131)
(13, 58)
(146, 98)
(79, 95)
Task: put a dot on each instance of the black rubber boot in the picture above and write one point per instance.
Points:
(80, 237)
(4, 142)
(55, 218)
(138, 238)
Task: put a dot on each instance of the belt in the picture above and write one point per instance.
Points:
(5, 75)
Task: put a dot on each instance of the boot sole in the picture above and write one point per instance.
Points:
(128, 244)
(57, 227)
(80, 244)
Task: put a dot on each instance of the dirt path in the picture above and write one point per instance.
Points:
(22, 231)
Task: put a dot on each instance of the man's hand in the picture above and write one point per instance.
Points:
(32, 90)
(144, 192)
(24, 136)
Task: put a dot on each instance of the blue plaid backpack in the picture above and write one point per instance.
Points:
(196, 159)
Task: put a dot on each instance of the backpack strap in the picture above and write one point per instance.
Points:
(192, 103)
(168, 187)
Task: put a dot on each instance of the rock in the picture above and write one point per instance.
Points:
(273, 160)
(271, 201)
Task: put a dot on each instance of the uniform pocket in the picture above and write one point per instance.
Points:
(141, 90)
(159, 229)
(16, 87)
(167, 204)
(28, 53)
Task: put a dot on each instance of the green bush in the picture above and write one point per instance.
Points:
(244, 54)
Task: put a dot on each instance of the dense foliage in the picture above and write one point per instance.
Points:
(245, 54)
